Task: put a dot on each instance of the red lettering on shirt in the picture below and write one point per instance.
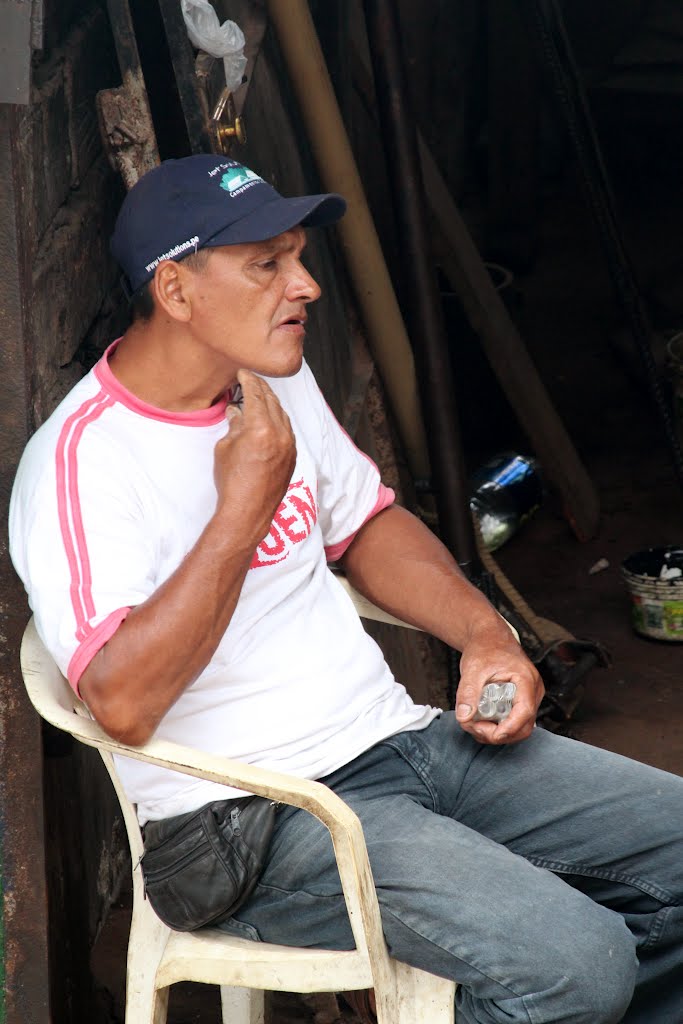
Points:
(285, 522)
(278, 545)
(292, 523)
(306, 509)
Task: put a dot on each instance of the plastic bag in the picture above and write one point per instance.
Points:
(226, 40)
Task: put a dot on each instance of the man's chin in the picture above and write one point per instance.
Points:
(289, 370)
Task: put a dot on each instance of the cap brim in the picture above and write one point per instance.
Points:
(280, 214)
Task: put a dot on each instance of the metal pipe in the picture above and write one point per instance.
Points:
(423, 302)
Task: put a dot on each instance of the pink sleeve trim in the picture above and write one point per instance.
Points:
(95, 641)
(385, 497)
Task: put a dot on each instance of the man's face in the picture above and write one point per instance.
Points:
(249, 305)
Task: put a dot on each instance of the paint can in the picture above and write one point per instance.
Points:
(654, 579)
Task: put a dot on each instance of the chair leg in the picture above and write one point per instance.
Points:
(242, 1005)
(422, 997)
(144, 1006)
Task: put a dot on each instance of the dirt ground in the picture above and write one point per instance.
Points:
(567, 314)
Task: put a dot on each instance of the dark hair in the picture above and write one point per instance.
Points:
(142, 302)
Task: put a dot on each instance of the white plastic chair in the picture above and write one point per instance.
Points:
(158, 956)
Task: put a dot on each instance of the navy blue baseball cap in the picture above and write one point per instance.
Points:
(205, 200)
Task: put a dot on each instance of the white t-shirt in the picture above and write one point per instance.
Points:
(111, 494)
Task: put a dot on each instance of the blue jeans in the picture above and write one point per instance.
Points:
(545, 877)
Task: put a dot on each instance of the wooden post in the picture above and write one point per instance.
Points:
(25, 929)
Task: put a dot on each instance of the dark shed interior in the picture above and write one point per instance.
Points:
(556, 131)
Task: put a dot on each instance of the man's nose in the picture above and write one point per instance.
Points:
(302, 285)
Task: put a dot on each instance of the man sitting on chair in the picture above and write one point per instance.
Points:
(171, 522)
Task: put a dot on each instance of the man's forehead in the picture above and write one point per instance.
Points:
(287, 240)
(292, 240)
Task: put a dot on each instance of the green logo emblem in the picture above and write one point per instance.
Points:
(238, 178)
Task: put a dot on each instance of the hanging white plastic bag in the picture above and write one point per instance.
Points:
(226, 40)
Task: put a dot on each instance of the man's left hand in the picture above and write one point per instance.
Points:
(494, 657)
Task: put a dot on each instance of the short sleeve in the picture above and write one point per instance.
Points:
(350, 491)
(79, 542)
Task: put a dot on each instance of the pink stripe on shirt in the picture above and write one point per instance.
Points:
(349, 438)
(385, 497)
(69, 509)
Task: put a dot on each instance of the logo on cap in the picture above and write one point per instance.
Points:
(239, 179)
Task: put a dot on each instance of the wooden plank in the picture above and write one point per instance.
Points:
(124, 114)
(24, 896)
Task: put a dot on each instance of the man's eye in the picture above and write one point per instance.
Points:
(268, 265)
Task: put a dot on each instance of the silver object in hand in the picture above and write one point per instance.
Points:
(495, 702)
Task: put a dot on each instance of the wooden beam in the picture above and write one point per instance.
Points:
(25, 994)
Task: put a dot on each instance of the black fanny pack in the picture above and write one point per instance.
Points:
(201, 866)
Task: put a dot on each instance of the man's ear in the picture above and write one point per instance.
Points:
(170, 291)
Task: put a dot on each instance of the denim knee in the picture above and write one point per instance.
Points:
(593, 984)
(601, 974)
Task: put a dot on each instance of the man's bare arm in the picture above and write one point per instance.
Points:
(400, 565)
(166, 642)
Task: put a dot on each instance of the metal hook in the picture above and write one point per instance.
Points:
(234, 126)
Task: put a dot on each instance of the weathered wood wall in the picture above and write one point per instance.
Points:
(62, 198)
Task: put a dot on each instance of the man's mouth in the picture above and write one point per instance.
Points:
(293, 325)
(293, 321)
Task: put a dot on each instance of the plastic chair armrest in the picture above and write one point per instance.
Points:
(343, 824)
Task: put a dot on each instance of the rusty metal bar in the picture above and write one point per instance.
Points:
(26, 989)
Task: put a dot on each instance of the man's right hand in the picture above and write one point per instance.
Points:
(254, 462)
